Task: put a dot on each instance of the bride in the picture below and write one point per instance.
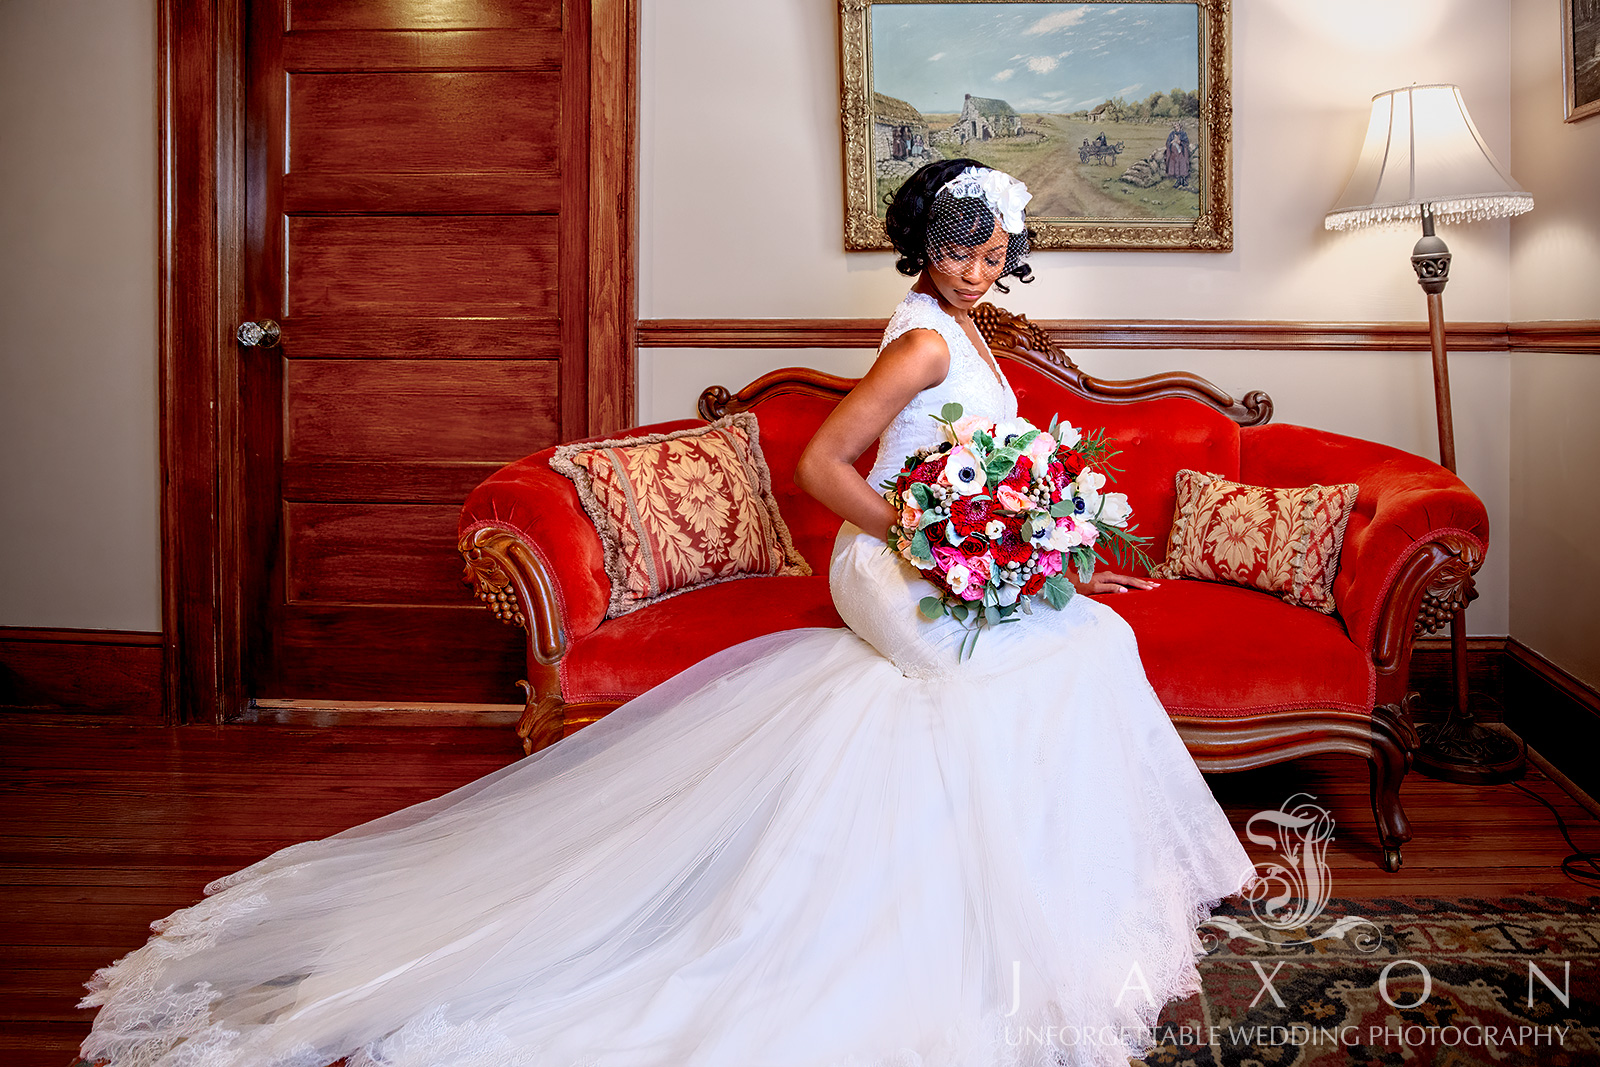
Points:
(817, 848)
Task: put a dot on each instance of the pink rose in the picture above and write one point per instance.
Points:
(1011, 500)
(966, 426)
(910, 515)
(1049, 563)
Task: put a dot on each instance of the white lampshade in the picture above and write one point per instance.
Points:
(1422, 148)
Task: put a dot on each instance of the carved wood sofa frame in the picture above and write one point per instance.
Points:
(1432, 583)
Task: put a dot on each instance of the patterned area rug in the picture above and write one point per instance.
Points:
(1416, 981)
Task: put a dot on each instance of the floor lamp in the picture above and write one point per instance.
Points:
(1424, 158)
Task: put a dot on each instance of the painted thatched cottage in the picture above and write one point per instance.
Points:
(898, 130)
(983, 119)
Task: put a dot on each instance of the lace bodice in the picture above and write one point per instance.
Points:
(970, 383)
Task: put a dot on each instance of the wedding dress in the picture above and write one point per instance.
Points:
(818, 848)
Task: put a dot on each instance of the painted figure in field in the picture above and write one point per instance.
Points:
(1178, 156)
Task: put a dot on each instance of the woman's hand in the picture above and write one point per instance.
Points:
(1111, 582)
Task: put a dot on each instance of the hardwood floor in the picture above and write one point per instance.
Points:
(104, 829)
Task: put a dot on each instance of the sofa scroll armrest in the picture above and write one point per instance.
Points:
(1417, 536)
(533, 556)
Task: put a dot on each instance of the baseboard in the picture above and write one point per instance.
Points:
(1554, 712)
(79, 676)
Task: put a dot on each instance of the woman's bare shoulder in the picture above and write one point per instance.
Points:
(921, 355)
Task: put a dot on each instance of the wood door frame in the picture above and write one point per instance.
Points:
(201, 73)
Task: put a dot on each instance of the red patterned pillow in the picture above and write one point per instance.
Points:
(1279, 540)
(676, 511)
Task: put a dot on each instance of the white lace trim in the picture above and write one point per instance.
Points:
(140, 1026)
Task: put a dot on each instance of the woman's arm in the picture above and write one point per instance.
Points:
(907, 365)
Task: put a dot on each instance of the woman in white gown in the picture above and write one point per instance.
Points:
(818, 848)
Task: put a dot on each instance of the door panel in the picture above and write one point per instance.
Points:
(372, 553)
(421, 264)
(391, 412)
(417, 176)
(435, 122)
(456, 15)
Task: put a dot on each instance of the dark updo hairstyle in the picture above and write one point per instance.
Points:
(907, 220)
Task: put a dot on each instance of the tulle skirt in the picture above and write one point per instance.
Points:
(794, 854)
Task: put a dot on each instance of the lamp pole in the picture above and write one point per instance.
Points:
(1458, 749)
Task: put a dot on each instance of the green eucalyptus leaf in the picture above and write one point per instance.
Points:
(930, 607)
(950, 412)
(1057, 591)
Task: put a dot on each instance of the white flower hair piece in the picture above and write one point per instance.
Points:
(1005, 195)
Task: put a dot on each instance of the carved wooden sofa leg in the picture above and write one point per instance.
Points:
(543, 719)
(1394, 738)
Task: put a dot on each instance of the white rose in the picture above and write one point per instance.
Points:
(958, 577)
(1115, 509)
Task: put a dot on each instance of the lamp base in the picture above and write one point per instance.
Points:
(1461, 750)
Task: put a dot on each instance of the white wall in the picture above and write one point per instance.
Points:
(79, 534)
(1555, 436)
(743, 218)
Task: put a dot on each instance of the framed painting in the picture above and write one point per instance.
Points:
(1115, 113)
(1580, 47)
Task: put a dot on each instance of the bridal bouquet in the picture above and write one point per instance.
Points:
(995, 514)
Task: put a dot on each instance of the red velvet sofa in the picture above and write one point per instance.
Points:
(1248, 679)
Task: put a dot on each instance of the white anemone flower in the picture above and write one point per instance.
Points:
(963, 473)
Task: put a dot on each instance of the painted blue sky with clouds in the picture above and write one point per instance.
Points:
(1036, 57)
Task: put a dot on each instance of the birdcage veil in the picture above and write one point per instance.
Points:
(977, 219)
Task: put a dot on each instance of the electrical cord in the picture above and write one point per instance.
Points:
(1572, 866)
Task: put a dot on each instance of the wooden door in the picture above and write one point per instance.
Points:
(417, 220)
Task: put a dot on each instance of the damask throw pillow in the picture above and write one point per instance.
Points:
(1284, 541)
(677, 511)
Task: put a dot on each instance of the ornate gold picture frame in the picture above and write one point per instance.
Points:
(1116, 113)
(1580, 60)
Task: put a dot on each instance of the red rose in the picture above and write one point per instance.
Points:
(1033, 585)
(972, 548)
(970, 516)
